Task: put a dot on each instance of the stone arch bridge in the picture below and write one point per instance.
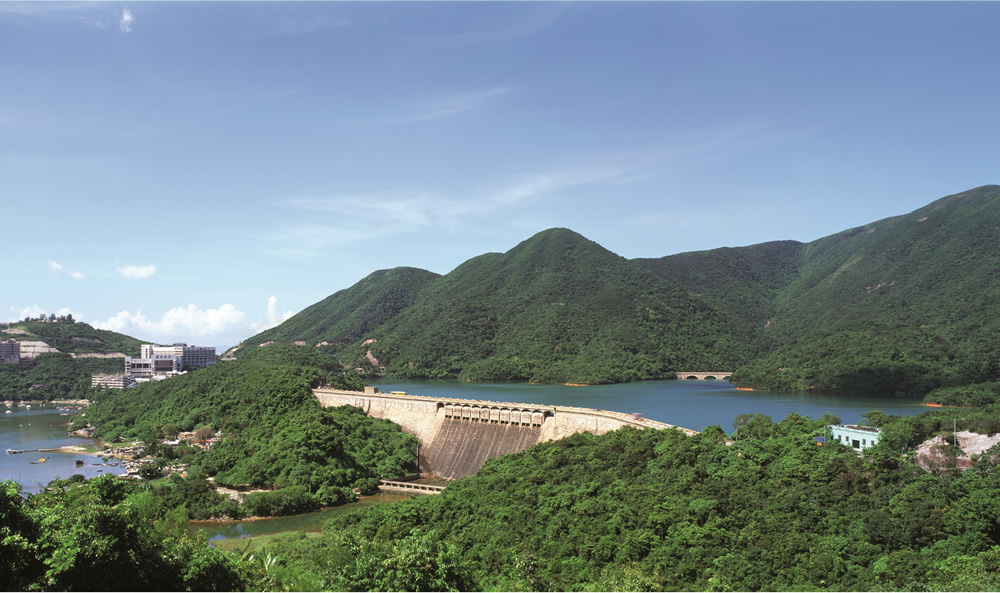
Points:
(703, 375)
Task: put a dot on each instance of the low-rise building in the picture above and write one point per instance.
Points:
(109, 381)
(855, 436)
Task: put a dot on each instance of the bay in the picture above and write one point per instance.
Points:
(43, 427)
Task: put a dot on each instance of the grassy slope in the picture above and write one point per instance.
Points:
(76, 337)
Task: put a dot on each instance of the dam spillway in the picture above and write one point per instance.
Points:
(460, 447)
(457, 435)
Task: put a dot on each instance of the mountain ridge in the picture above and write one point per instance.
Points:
(910, 292)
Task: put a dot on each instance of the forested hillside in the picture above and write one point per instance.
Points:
(273, 431)
(661, 511)
(903, 305)
(67, 335)
(350, 315)
(899, 306)
(556, 308)
(60, 375)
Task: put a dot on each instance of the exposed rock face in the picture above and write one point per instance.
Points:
(936, 454)
(35, 348)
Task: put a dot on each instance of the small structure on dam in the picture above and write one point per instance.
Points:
(459, 435)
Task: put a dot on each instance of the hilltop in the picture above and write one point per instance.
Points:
(901, 305)
(555, 308)
(59, 356)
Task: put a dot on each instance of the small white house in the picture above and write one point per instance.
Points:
(855, 436)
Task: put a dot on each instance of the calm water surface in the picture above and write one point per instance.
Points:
(307, 522)
(42, 427)
(690, 404)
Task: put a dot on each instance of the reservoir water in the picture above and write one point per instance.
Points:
(306, 522)
(43, 427)
(691, 404)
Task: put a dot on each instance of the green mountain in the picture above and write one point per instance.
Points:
(556, 308)
(350, 315)
(902, 305)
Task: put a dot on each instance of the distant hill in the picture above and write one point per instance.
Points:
(556, 308)
(65, 373)
(350, 315)
(73, 337)
(902, 305)
(905, 304)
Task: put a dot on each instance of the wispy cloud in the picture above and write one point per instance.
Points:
(335, 221)
(458, 103)
(429, 209)
(445, 106)
(125, 23)
(58, 267)
(136, 272)
(524, 25)
(305, 240)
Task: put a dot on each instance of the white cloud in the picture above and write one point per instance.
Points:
(133, 271)
(274, 316)
(177, 324)
(58, 267)
(32, 311)
(125, 24)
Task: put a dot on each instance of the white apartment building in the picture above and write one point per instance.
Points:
(165, 361)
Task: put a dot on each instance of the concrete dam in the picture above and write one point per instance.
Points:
(458, 435)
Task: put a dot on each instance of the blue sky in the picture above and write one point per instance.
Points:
(188, 171)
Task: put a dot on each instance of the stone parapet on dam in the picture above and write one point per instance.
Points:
(459, 435)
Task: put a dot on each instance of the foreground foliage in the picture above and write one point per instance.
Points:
(661, 511)
(100, 536)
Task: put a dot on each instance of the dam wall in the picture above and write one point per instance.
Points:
(458, 435)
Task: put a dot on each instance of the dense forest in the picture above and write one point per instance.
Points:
(660, 511)
(105, 536)
(898, 306)
(54, 375)
(272, 433)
